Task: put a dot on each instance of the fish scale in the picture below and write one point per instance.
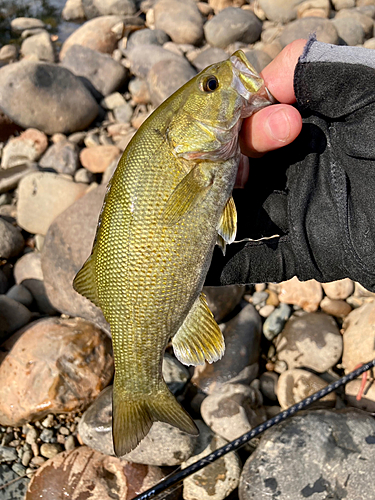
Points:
(168, 203)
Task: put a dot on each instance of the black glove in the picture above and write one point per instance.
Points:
(318, 193)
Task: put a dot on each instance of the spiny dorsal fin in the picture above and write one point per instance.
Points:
(199, 337)
(84, 282)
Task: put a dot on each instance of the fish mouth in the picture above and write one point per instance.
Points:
(249, 85)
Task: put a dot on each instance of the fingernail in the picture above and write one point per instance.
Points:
(278, 125)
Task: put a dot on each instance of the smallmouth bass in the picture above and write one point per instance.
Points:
(167, 205)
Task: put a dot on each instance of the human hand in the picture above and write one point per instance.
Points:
(278, 125)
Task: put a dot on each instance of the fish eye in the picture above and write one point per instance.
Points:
(210, 84)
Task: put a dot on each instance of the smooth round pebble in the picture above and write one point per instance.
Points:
(180, 19)
(11, 240)
(49, 450)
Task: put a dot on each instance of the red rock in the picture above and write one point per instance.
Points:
(53, 365)
(87, 474)
(98, 158)
(306, 294)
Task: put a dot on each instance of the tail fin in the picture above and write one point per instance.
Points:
(133, 417)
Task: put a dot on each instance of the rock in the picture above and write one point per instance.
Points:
(21, 294)
(12, 486)
(234, 410)
(74, 365)
(370, 43)
(96, 34)
(258, 58)
(73, 10)
(96, 70)
(124, 113)
(337, 308)
(314, 8)
(217, 480)
(61, 157)
(13, 315)
(8, 54)
(28, 267)
(175, 374)
(139, 91)
(113, 101)
(42, 197)
(232, 25)
(163, 445)
(45, 96)
(67, 245)
(306, 294)
(50, 450)
(302, 28)
(166, 76)
(367, 401)
(276, 321)
(89, 474)
(366, 22)
(29, 146)
(38, 46)
(295, 385)
(180, 19)
(266, 310)
(267, 385)
(218, 5)
(222, 300)
(10, 177)
(7, 454)
(358, 337)
(4, 285)
(242, 347)
(96, 8)
(281, 11)
(209, 56)
(310, 340)
(343, 4)
(322, 449)
(11, 240)
(147, 37)
(340, 289)
(349, 30)
(20, 24)
(143, 57)
(97, 158)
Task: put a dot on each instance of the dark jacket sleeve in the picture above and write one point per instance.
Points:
(311, 204)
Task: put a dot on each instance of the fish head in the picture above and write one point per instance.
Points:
(206, 126)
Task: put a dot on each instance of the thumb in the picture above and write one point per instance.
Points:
(261, 261)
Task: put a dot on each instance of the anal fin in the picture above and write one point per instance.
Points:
(199, 337)
(84, 283)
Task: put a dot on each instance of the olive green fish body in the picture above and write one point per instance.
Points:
(167, 204)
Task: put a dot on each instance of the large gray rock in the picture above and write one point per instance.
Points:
(350, 30)
(96, 8)
(147, 37)
(309, 340)
(222, 300)
(96, 70)
(43, 196)
(163, 445)
(180, 19)
(232, 25)
(45, 96)
(319, 454)
(209, 56)
(166, 76)
(302, 28)
(11, 240)
(67, 245)
(143, 57)
(280, 11)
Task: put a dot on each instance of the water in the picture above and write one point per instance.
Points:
(49, 11)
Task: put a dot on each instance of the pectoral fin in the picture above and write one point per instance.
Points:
(199, 338)
(188, 194)
(84, 282)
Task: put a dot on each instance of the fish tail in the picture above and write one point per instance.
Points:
(133, 416)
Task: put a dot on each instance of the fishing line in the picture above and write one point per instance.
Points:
(179, 475)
